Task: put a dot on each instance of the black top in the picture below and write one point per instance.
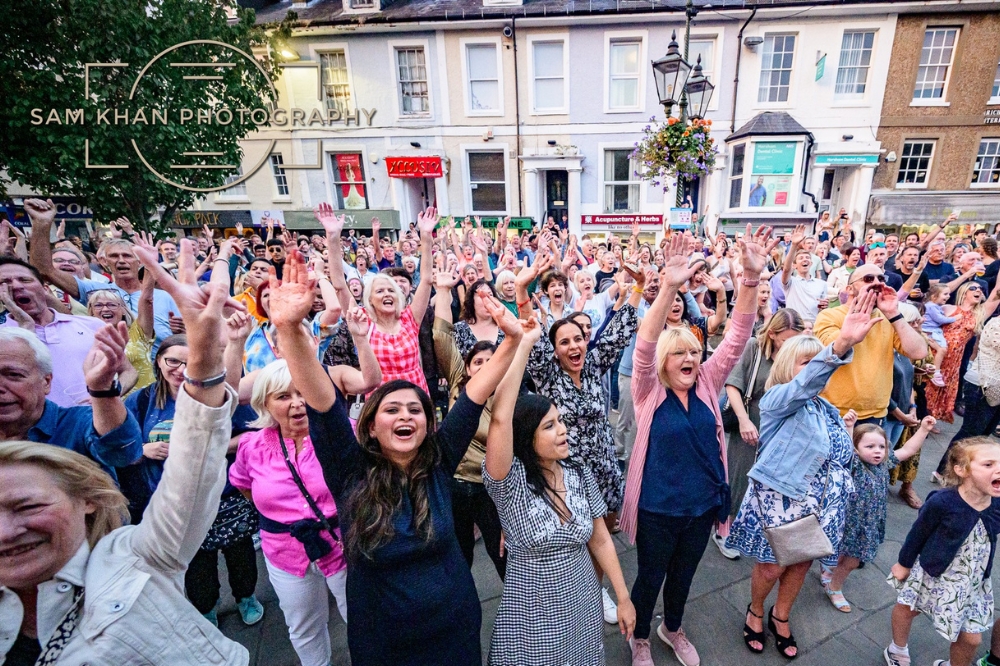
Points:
(24, 652)
(942, 526)
(414, 602)
(923, 284)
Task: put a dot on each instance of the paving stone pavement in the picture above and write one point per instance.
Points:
(714, 616)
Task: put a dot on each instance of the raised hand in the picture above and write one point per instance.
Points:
(40, 211)
(755, 249)
(888, 301)
(376, 227)
(850, 418)
(504, 318)
(427, 220)
(332, 223)
(144, 248)
(358, 322)
(126, 226)
(857, 323)
(676, 270)
(445, 279)
(531, 330)
(238, 327)
(797, 236)
(22, 318)
(106, 357)
(291, 300)
(713, 283)
(239, 229)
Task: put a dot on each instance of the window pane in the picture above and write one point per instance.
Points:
(739, 153)
(706, 49)
(996, 83)
(987, 168)
(624, 93)
(776, 71)
(625, 58)
(349, 181)
(336, 89)
(548, 59)
(237, 190)
(486, 166)
(484, 95)
(855, 57)
(412, 81)
(482, 62)
(277, 169)
(549, 94)
(935, 60)
(489, 197)
(914, 162)
(735, 190)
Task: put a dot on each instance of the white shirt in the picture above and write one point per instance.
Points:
(802, 295)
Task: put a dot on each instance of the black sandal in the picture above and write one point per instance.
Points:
(751, 636)
(782, 642)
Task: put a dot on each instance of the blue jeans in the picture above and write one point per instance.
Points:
(893, 431)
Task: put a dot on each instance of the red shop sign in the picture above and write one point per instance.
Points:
(414, 167)
(642, 220)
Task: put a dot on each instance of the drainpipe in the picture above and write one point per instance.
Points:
(805, 169)
(517, 118)
(739, 54)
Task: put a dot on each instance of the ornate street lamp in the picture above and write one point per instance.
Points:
(671, 74)
(699, 92)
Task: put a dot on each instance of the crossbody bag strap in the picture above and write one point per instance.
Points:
(63, 633)
(748, 396)
(302, 488)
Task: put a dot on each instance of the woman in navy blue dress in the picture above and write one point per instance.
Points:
(410, 596)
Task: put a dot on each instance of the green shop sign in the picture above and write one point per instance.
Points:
(774, 157)
(518, 223)
(845, 160)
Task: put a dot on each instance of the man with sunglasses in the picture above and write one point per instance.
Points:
(877, 254)
(276, 255)
(865, 384)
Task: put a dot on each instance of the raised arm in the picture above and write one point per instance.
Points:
(145, 310)
(675, 273)
(500, 440)
(524, 279)
(484, 382)
(238, 328)
(356, 381)
(376, 241)
(912, 344)
(42, 213)
(426, 222)
(104, 361)
(334, 225)
(798, 235)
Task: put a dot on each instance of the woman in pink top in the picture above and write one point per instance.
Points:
(304, 556)
(677, 485)
(395, 325)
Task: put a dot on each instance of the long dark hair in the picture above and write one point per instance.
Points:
(565, 321)
(529, 411)
(469, 304)
(479, 347)
(375, 501)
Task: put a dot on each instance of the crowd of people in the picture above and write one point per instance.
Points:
(539, 391)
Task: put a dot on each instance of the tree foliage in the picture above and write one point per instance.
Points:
(42, 68)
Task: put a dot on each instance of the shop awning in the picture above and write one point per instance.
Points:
(356, 219)
(780, 221)
(897, 209)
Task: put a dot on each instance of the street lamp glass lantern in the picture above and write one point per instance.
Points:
(670, 74)
(699, 92)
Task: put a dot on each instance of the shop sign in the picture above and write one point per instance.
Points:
(991, 117)
(353, 219)
(845, 160)
(623, 220)
(67, 208)
(518, 223)
(680, 218)
(414, 167)
(194, 219)
(774, 157)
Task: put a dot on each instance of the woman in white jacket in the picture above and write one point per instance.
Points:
(75, 585)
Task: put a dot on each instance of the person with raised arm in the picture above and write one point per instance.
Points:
(391, 483)
(552, 515)
(677, 485)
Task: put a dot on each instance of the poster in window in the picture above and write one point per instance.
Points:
(351, 178)
(770, 191)
(774, 157)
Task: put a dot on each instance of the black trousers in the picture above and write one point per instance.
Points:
(201, 582)
(667, 547)
(980, 420)
(471, 505)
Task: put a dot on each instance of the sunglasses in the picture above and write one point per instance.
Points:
(875, 245)
(975, 288)
(870, 279)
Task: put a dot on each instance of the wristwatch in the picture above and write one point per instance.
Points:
(205, 383)
(113, 392)
(898, 316)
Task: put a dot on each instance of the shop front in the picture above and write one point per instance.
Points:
(906, 212)
(356, 220)
(601, 227)
(418, 181)
(78, 217)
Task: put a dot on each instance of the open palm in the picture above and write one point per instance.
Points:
(676, 270)
(756, 248)
(332, 223)
(291, 300)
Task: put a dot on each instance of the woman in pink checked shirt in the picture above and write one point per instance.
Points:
(277, 469)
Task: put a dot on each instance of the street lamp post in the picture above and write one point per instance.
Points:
(675, 83)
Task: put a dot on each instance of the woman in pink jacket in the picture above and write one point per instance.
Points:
(677, 486)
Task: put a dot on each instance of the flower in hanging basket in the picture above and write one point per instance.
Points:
(673, 149)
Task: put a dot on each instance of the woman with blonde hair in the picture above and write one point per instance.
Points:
(802, 468)
(108, 306)
(506, 290)
(677, 485)
(744, 389)
(70, 557)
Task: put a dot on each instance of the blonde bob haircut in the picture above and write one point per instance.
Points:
(79, 477)
(272, 378)
(670, 341)
(794, 350)
(366, 298)
(961, 454)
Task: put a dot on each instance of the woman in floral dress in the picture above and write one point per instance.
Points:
(972, 311)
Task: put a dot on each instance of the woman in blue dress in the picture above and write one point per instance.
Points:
(410, 594)
(803, 467)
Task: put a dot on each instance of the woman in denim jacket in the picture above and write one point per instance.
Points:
(804, 459)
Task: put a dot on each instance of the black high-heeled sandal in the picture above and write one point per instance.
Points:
(751, 636)
(782, 642)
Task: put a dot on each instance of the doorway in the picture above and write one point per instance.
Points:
(556, 196)
(419, 193)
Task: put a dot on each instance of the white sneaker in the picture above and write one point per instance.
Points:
(610, 608)
(728, 553)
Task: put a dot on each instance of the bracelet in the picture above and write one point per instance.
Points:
(113, 392)
(749, 283)
(205, 383)
(519, 304)
(898, 316)
(637, 289)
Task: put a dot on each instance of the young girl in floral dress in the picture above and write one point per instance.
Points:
(944, 565)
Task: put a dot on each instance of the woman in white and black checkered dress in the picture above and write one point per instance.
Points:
(550, 509)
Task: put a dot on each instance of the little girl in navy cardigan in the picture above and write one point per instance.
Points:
(944, 564)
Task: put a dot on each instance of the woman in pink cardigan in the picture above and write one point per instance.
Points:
(680, 447)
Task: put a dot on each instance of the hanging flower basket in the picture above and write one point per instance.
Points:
(672, 149)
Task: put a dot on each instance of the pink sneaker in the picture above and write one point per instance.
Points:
(938, 379)
(640, 652)
(682, 647)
